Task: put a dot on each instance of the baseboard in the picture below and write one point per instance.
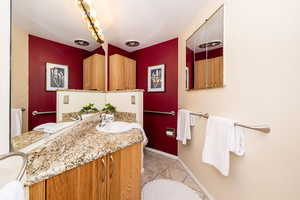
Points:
(161, 153)
(185, 167)
(210, 197)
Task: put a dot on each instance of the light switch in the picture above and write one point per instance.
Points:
(66, 99)
(132, 99)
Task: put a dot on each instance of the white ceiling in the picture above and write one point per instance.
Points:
(147, 21)
(212, 30)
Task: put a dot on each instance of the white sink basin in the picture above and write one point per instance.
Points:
(117, 127)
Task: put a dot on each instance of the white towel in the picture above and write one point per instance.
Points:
(16, 121)
(222, 137)
(53, 127)
(184, 126)
(138, 126)
(12, 191)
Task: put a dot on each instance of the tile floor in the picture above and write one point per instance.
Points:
(157, 166)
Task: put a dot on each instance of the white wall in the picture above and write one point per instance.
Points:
(121, 100)
(4, 71)
(19, 73)
(262, 67)
(77, 99)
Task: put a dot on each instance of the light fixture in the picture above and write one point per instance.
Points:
(90, 16)
(81, 42)
(132, 43)
(210, 44)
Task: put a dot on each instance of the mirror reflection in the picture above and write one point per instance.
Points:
(204, 54)
(48, 56)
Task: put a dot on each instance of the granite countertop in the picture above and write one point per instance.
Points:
(74, 147)
(25, 139)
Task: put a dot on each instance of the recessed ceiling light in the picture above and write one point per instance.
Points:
(210, 44)
(132, 43)
(82, 43)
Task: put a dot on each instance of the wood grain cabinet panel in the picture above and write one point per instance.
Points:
(116, 176)
(200, 74)
(208, 73)
(122, 73)
(130, 73)
(37, 191)
(94, 72)
(124, 182)
(116, 72)
(85, 182)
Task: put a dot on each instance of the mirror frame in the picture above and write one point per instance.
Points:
(201, 25)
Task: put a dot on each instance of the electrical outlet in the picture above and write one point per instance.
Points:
(133, 99)
(66, 99)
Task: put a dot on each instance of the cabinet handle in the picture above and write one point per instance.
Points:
(111, 158)
(104, 170)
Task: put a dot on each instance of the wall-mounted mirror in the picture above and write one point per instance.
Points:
(204, 54)
(48, 54)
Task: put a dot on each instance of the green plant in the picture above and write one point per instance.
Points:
(109, 109)
(88, 108)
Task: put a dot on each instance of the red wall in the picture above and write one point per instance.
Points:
(116, 50)
(42, 51)
(190, 65)
(155, 124)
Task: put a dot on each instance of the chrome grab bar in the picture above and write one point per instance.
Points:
(34, 113)
(159, 112)
(23, 155)
(261, 128)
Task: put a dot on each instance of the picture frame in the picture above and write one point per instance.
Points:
(156, 78)
(57, 77)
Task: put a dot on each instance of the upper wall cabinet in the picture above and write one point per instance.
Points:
(122, 73)
(204, 54)
(94, 72)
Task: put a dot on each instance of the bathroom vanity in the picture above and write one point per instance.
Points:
(83, 163)
(114, 176)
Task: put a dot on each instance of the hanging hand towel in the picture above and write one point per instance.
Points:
(12, 191)
(183, 126)
(221, 138)
(16, 121)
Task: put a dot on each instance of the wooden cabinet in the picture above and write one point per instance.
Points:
(124, 174)
(122, 73)
(94, 72)
(116, 176)
(208, 73)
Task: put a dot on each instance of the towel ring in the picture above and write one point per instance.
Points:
(20, 154)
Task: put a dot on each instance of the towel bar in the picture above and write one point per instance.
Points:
(261, 128)
(23, 155)
(159, 112)
(34, 113)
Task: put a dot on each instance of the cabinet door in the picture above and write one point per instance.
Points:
(200, 74)
(114, 177)
(116, 72)
(37, 191)
(84, 182)
(125, 174)
(130, 73)
(98, 72)
(210, 73)
(87, 73)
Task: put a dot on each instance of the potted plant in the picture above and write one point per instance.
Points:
(109, 109)
(90, 108)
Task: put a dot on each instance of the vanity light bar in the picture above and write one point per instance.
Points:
(90, 16)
